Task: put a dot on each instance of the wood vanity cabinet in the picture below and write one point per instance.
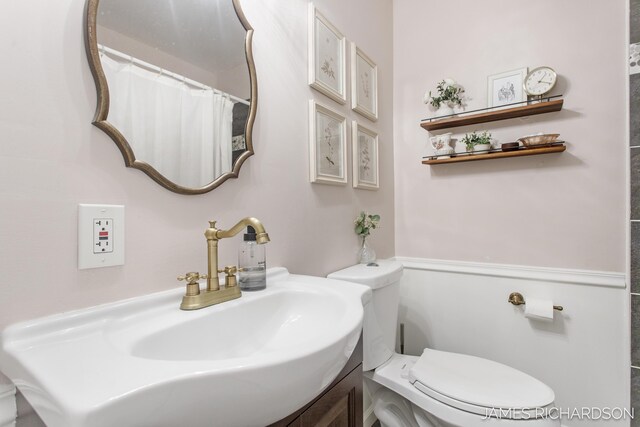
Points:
(340, 405)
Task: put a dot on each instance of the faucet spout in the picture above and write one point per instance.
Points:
(261, 235)
(213, 234)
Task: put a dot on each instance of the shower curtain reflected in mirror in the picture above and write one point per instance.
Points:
(184, 132)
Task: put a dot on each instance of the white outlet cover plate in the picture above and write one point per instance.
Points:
(87, 257)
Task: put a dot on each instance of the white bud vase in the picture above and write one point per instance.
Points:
(366, 254)
(444, 110)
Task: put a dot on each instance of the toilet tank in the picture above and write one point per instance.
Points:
(381, 314)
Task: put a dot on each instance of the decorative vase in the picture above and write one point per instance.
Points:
(460, 147)
(441, 145)
(366, 254)
(444, 110)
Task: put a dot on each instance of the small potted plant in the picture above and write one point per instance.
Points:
(449, 96)
(364, 223)
(477, 142)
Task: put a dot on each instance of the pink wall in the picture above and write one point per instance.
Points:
(564, 210)
(52, 158)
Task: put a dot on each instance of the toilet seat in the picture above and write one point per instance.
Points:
(393, 375)
(480, 386)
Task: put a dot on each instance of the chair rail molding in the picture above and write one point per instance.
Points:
(560, 275)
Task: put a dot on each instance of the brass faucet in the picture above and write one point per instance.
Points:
(194, 298)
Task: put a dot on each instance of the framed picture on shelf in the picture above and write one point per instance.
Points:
(327, 57)
(365, 157)
(506, 88)
(327, 145)
(364, 84)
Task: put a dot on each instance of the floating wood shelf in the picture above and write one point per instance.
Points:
(497, 155)
(493, 116)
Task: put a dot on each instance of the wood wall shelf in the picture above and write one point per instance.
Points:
(493, 116)
(497, 155)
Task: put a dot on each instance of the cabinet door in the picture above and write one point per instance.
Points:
(339, 407)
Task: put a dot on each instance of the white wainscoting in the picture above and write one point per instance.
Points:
(7, 405)
(583, 354)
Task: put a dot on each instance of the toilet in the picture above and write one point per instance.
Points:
(438, 388)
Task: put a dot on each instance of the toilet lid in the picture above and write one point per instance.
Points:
(475, 384)
(375, 275)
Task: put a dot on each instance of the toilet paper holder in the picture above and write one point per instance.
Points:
(516, 298)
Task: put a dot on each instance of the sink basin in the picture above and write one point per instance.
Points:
(143, 362)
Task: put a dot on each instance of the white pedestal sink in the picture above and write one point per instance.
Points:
(143, 362)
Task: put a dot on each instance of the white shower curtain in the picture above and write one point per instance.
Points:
(183, 132)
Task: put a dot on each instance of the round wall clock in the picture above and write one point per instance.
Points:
(540, 81)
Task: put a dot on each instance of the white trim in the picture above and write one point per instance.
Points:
(8, 411)
(559, 275)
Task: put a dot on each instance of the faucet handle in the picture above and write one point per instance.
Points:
(193, 287)
(230, 276)
(192, 277)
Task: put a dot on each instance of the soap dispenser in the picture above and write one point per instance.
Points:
(252, 263)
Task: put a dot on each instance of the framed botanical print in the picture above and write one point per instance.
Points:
(365, 157)
(506, 88)
(327, 57)
(327, 145)
(364, 84)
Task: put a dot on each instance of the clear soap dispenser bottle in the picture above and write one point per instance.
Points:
(252, 263)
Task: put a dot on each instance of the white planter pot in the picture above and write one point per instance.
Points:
(444, 110)
(483, 148)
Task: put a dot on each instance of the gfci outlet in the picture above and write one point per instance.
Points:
(100, 236)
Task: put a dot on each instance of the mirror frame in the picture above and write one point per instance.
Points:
(102, 109)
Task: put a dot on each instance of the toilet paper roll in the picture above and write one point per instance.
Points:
(539, 309)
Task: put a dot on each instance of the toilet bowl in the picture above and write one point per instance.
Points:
(437, 388)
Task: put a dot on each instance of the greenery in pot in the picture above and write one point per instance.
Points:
(473, 139)
(449, 93)
(365, 223)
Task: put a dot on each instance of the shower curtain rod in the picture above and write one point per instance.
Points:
(162, 71)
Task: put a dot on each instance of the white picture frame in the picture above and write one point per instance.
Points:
(364, 84)
(327, 145)
(365, 170)
(506, 88)
(327, 57)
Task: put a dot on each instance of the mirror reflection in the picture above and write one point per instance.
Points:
(179, 86)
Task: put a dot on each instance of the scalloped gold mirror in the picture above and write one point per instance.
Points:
(176, 85)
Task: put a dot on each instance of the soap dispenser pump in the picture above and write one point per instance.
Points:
(252, 263)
